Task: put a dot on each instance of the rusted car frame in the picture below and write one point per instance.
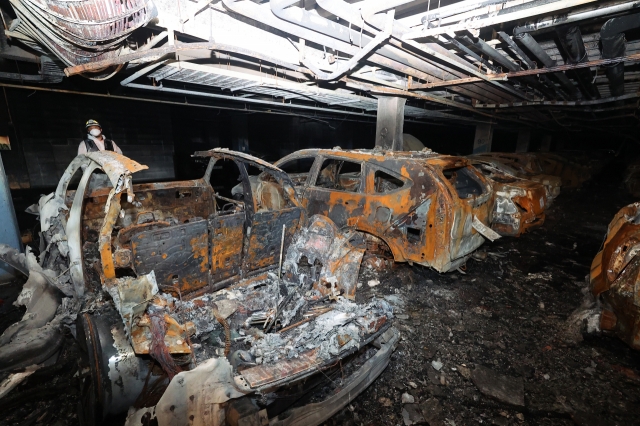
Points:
(428, 208)
(153, 271)
(573, 171)
(519, 204)
(615, 276)
(525, 166)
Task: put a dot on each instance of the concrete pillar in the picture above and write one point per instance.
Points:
(9, 232)
(524, 136)
(390, 122)
(545, 144)
(483, 138)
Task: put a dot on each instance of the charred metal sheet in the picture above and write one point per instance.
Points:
(194, 397)
(179, 256)
(486, 232)
(320, 412)
(264, 241)
(263, 375)
(37, 336)
(227, 236)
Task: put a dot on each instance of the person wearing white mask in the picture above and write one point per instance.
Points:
(95, 140)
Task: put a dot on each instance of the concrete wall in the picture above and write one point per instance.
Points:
(48, 128)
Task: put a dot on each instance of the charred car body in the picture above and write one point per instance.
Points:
(525, 166)
(180, 303)
(519, 204)
(615, 276)
(427, 208)
(573, 172)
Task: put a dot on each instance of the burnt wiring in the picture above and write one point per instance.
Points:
(158, 348)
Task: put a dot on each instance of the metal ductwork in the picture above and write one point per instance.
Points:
(485, 49)
(537, 51)
(80, 31)
(573, 45)
(614, 46)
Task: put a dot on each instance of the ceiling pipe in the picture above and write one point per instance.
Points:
(545, 59)
(413, 66)
(347, 66)
(300, 17)
(370, 14)
(456, 8)
(588, 12)
(614, 46)
(484, 48)
(571, 41)
(264, 16)
(531, 65)
(351, 14)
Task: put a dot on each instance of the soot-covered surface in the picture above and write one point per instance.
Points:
(498, 333)
(471, 342)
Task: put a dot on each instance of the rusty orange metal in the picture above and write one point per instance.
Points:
(615, 276)
(526, 166)
(421, 204)
(573, 172)
(519, 204)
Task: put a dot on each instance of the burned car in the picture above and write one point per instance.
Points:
(519, 204)
(423, 207)
(192, 305)
(569, 170)
(632, 178)
(525, 166)
(615, 276)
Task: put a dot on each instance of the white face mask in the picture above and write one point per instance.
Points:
(95, 132)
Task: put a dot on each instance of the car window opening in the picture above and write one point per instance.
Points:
(464, 182)
(340, 175)
(384, 182)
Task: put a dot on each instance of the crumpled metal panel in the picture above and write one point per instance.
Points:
(615, 276)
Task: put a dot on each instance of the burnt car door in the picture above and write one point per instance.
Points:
(335, 190)
(269, 208)
(470, 194)
(228, 222)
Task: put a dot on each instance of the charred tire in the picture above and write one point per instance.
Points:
(116, 376)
